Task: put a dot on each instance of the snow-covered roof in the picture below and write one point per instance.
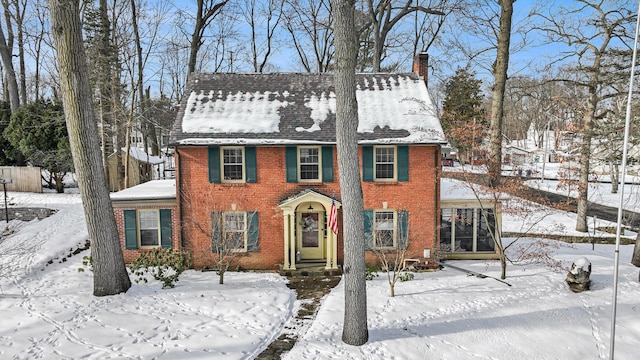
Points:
(300, 108)
(151, 190)
(457, 190)
(141, 156)
(516, 149)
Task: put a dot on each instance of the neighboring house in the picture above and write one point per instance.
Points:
(540, 156)
(141, 167)
(256, 160)
(515, 156)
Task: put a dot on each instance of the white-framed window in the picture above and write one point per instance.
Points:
(234, 227)
(232, 164)
(149, 228)
(385, 158)
(309, 163)
(384, 229)
(467, 229)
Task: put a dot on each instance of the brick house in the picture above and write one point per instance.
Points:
(256, 160)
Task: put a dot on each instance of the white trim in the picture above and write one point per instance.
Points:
(222, 164)
(244, 231)
(139, 228)
(319, 164)
(288, 208)
(395, 228)
(395, 163)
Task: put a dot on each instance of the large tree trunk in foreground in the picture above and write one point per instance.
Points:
(355, 331)
(500, 68)
(109, 273)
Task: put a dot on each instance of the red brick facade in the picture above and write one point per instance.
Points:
(197, 198)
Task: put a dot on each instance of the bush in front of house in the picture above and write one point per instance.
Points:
(165, 265)
(372, 271)
(405, 276)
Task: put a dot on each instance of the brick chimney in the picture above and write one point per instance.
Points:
(421, 66)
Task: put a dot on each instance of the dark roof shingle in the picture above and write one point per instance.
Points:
(294, 108)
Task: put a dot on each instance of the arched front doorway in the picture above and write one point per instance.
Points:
(310, 231)
(306, 236)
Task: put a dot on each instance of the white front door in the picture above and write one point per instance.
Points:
(311, 234)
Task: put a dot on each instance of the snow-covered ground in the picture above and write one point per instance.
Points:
(48, 311)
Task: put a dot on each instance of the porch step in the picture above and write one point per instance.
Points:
(311, 269)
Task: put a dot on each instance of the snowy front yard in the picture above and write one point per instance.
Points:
(48, 311)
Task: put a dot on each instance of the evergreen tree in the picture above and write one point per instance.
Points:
(104, 77)
(463, 119)
(39, 131)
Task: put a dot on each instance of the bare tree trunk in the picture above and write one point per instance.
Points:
(635, 259)
(109, 273)
(105, 63)
(384, 15)
(503, 264)
(615, 178)
(18, 15)
(500, 68)
(585, 151)
(10, 74)
(204, 14)
(374, 12)
(39, 39)
(10, 82)
(127, 146)
(355, 330)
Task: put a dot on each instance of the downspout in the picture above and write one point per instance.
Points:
(436, 195)
(178, 195)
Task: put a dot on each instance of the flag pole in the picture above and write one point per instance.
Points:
(627, 122)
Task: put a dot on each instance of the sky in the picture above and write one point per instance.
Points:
(48, 310)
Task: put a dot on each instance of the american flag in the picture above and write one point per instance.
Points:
(333, 217)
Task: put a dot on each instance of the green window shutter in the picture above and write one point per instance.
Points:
(216, 230)
(214, 164)
(250, 164)
(367, 163)
(292, 164)
(252, 231)
(165, 228)
(130, 229)
(403, 163)
(327, 163)
(403, 229)
(368, 226)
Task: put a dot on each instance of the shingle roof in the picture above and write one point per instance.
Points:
(295, 108)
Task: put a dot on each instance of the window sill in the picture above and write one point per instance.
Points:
(385, 248)
(240, 253)
(148, 247)
(232, 184)
(386, 182)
